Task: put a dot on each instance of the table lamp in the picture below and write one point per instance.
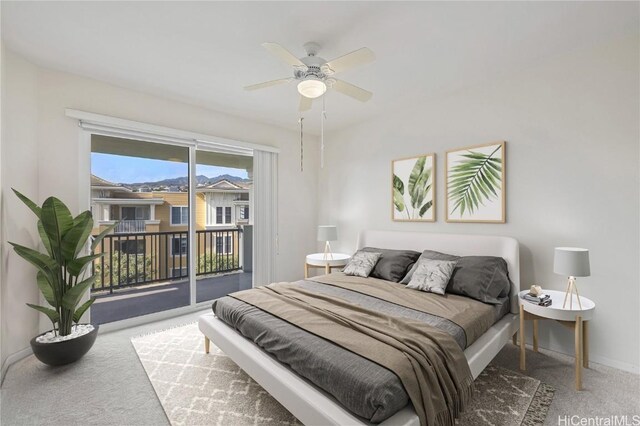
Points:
(327, 233)
(572, 262)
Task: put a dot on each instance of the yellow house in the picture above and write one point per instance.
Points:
(150, 242)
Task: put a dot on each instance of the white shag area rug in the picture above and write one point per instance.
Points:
(195, 388)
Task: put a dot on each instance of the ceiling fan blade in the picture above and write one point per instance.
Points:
(267, 84)
(305, 103)
(351, 90)
(283, 54)
(351, 60)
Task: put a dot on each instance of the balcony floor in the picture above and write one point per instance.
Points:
(134, 302)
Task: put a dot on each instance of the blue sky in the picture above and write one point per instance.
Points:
(123, 169)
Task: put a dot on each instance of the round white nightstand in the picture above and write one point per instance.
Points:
(575, 319)
(318, 260)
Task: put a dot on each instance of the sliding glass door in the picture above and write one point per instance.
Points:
(143, 188)
(159, 256)
(224, 224)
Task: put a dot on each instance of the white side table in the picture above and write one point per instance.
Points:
(317, 260)
(575, 319)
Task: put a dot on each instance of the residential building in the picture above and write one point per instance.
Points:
(154, 225)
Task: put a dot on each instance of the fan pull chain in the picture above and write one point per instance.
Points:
(301, 145)
(322, 118)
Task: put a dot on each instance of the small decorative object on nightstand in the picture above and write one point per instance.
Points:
(318, 260)
(572, 262)
(327, 233)
(575, 319)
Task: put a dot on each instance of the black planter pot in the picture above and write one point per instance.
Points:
(65, 352)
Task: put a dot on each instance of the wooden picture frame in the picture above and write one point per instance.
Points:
(417, 204)
(479, 197)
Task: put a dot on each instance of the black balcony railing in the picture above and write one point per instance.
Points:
(133, 259)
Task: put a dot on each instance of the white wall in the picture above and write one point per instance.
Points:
(572, 132)
(40, 157)
(19, 169)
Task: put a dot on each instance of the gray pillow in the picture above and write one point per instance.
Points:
(361, 264)
(484, 278)
(427, 254)
(432, 275)
(393, 264)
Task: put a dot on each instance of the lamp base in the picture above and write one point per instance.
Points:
(571, 287)
(327, 251)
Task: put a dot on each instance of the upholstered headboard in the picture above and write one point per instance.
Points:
(457, 244)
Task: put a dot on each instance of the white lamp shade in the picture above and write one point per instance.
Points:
(571, 262)
(312, 88)
(327, 233)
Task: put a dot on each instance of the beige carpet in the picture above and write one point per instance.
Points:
(199, 389)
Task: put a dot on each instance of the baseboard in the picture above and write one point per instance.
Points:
(12, 359)
(607, 362)
(631, 368)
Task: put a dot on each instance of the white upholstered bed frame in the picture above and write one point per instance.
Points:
(313, 406)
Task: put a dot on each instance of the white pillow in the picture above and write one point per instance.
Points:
(362, 263)
(432, 275)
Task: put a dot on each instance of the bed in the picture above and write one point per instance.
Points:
(312, 405)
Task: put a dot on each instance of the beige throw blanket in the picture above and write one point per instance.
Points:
(429, 363)
(473, 316)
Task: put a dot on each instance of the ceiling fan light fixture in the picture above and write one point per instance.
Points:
(312, 88)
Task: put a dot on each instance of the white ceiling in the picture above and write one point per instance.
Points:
(205, 52)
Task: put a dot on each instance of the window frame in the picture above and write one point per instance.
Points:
(139, 243)
(186, 246)
(227, 244)
(135, 212)
(171, 223)
(244, 212)
(90, 124)
(224, 210)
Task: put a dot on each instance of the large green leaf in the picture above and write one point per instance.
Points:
(75, 239)
(57, 220)
(45, 238)
(103, 234)
(77, 315)
(41, 261)
(76, 266)
(73, 295)
(425, 208)
(46, 289)
(415, 176)
(53, 315)
(474, 180)
(421, 189)
(419, 183)
(33, 206)
(398, 200)
(398, 184)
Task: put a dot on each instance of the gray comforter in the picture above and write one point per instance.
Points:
(362, 386)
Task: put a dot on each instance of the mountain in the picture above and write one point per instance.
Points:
(184, 181)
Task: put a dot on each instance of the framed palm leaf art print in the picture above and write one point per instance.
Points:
(475, 183)
(413, 189)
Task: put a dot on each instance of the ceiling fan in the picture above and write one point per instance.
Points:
(314, 74)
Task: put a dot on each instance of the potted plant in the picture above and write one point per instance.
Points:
(62, 279)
